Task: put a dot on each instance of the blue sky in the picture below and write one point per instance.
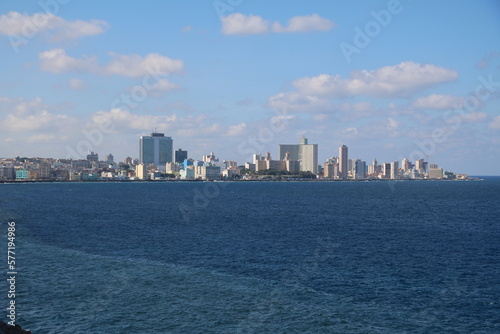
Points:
(391, 79)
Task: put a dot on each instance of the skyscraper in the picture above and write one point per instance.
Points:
(306, 154)
(155, 149)
(180, 156)
(343, 161)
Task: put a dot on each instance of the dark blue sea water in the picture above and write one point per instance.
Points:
(263, 257)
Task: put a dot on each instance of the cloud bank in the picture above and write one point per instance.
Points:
(240, 24)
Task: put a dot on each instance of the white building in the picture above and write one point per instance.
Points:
(141, 172)
(208, 172)
(394, 170)
(306, 154)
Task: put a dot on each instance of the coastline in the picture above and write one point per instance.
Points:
(252, 180)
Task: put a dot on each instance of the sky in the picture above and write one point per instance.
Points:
(389, 79)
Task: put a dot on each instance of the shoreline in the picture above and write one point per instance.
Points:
(255, 180)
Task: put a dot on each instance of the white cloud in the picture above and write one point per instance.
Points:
(321, 117)
(351, 111)
(349, 132)
(296, 102)
(57, 61)
(399, 80)
(77, 84)
(136, 66)
(191, 126)
(42, 138)
(475, 117)
(32, 115)
(387, 127)
(304, 24)
(240, 24)
(235, 130)
(436, 101)
(57, 28)
(495, 123)
(164, 85)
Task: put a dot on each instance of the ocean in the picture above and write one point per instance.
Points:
(254, 257)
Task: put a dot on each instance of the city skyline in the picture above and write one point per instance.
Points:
(389, 79)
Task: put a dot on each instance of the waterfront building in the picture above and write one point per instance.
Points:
(250, 166)
(208, 172)
(155, 149)
(187, 162)
(359, 169)
(435, 172)
(33, 175)
(331, 170)
(141, 171)
(180, 156)
(394, 169)
(420, 165)
(231, 172)
(286, 164)
(171, 167)
(386, 170)
(21, 174)
(306, 154)
(7, 172)
(405, 164)
(343, 161)
(75, 176)
(187, 173)
(44, 170)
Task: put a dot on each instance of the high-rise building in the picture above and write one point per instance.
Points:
(44, 170)
(155, 149)
(343, 161)
(7, 172)
(405, 164)
(92, 156)
(435, 172)
(210, 158)
(141, 171)
(306, 154)
(386, 170)
(419, 165)
(180, 156)
(109, 158)
(394, 169)
(359, 170)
